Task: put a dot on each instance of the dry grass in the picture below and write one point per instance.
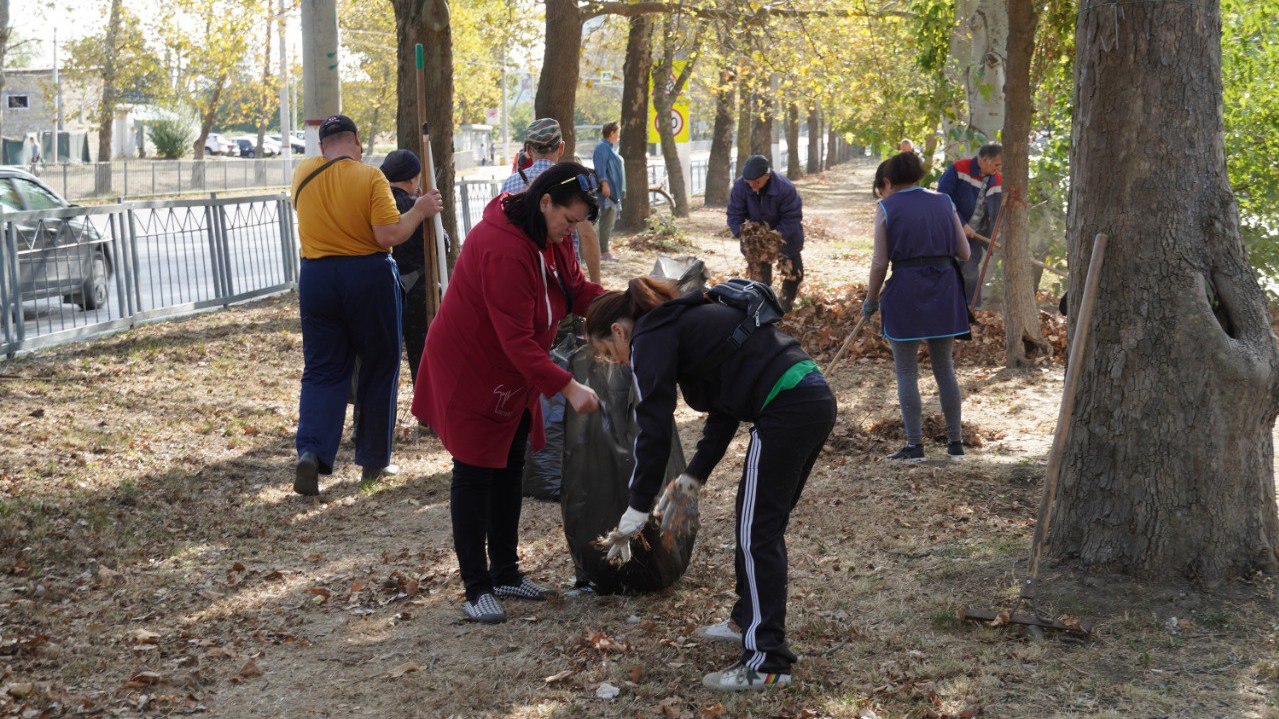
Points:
(154, 561)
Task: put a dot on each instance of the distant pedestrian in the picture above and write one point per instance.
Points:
(918, 231)
(543, 147)
(350, 302)
(905, 146)
(611, 171)
(973, 184)
(764, 196)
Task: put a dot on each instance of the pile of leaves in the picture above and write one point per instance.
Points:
(662, 233)
(824, 317)
(761, 243)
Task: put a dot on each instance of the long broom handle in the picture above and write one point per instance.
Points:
(433, 232)
(834, 364)
(1078, 350)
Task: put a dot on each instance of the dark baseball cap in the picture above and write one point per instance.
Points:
(754, 167)
(334, 124)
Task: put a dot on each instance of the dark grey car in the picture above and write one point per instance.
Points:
(69, 259)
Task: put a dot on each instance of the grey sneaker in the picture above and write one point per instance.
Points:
(485, 610)
(909, 453)
(955, 451)
(307, 481)
(740, 678)
(723, 631)
(526, 589)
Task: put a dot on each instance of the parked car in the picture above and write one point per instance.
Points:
(216, 144)
(296, 146)
(270, 148)
(247, 147)
(68, 258)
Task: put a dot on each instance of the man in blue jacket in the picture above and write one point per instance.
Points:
(762, 195)
(612, 176)
(973, 184)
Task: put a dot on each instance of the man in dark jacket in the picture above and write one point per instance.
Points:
(762, 195)
(973, 184)
(402, 169)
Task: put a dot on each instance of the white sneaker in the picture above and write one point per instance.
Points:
(723, 631)
(740, 678)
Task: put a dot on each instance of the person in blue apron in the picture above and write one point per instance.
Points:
(919, 233)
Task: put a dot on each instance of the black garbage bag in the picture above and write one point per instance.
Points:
(598, 460)
(688, 272)
(542, 468)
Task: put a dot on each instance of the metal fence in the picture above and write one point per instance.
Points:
(82, 271)
(153, 178)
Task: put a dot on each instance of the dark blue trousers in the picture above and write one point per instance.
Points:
(350, 306)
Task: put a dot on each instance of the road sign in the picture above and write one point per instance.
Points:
(679, 112)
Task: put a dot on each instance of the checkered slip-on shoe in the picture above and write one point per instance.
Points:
(526, 589)
(485, 610)
(740, 678)
(723, 631)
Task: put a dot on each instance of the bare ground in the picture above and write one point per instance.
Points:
(154, 561)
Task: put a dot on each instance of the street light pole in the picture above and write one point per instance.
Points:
(286, 112)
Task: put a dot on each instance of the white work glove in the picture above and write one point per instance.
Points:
(678, 506)
(631, 523)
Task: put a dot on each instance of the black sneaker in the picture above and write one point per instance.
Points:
(526, 589)
(955, 451)
(909, 453)
(485, 610)
(307, 482)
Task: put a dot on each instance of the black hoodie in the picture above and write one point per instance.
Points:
(667, 344)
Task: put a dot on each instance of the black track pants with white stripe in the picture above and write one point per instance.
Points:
(785, 442)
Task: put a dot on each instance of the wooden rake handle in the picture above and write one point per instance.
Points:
(847, 342)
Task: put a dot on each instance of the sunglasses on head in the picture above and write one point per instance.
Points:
(588, 183)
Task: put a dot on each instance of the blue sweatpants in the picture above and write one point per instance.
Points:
(350, 306)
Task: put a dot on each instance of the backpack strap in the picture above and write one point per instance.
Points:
(306, 180)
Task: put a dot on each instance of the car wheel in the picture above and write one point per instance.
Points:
(96, 286)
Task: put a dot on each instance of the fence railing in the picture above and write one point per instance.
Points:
(82, 271)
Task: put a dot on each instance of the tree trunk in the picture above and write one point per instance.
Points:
(6, 32)
(633, 146)
(832, 147)
(814, 140)
(428, 23)
(978, 45)
(561, 63)
(206, 125)
(1024, 340)
(371, 132)
(264, 118)
(762, 126)
(794, 170)
(744, 125)
(719, 167)
(1168, 471)
(106, 108)
(666, 88)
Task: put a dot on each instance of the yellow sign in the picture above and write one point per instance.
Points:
(679, 112)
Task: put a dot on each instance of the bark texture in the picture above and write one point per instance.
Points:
(106, 105)
(561, 68)
(978, 47)
(745, 126)
(814, 140)
(719, 168)
(762, 125)
(1168, 471)
(1024, 339)
(832, 147)
(633, 146)
(427, 22)
(794, 170)
(666, 88)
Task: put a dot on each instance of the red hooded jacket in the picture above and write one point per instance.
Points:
(486, 358)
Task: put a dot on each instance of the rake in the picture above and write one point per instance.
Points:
(1078, 350)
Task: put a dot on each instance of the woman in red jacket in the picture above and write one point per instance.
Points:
(486, 364)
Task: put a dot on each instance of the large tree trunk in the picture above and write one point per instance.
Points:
(633, 146)
(561, 68)
(814, 140)
(428, 23)
(206, 125)
(666, 88)
(1168, 472)
(978, 45)
(106, 107)
(794, 170)
(762, 125)
(744, 124)
(832, 147)
(719, 167)
(1024, 340)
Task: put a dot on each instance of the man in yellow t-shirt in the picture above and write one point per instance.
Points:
(349, 296)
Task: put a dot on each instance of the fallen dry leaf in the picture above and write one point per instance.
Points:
(143, 679)
(1001, 619)
(636, 673)
(250, 669)
(405, 668)
(559, 676)
(714, 711)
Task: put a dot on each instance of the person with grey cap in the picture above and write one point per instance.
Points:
(403, 171)
(349, 301)
(543, 148)
(764, 196)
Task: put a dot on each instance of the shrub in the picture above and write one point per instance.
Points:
(172, 137)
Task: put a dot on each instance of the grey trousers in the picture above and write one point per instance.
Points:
(905, 359)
